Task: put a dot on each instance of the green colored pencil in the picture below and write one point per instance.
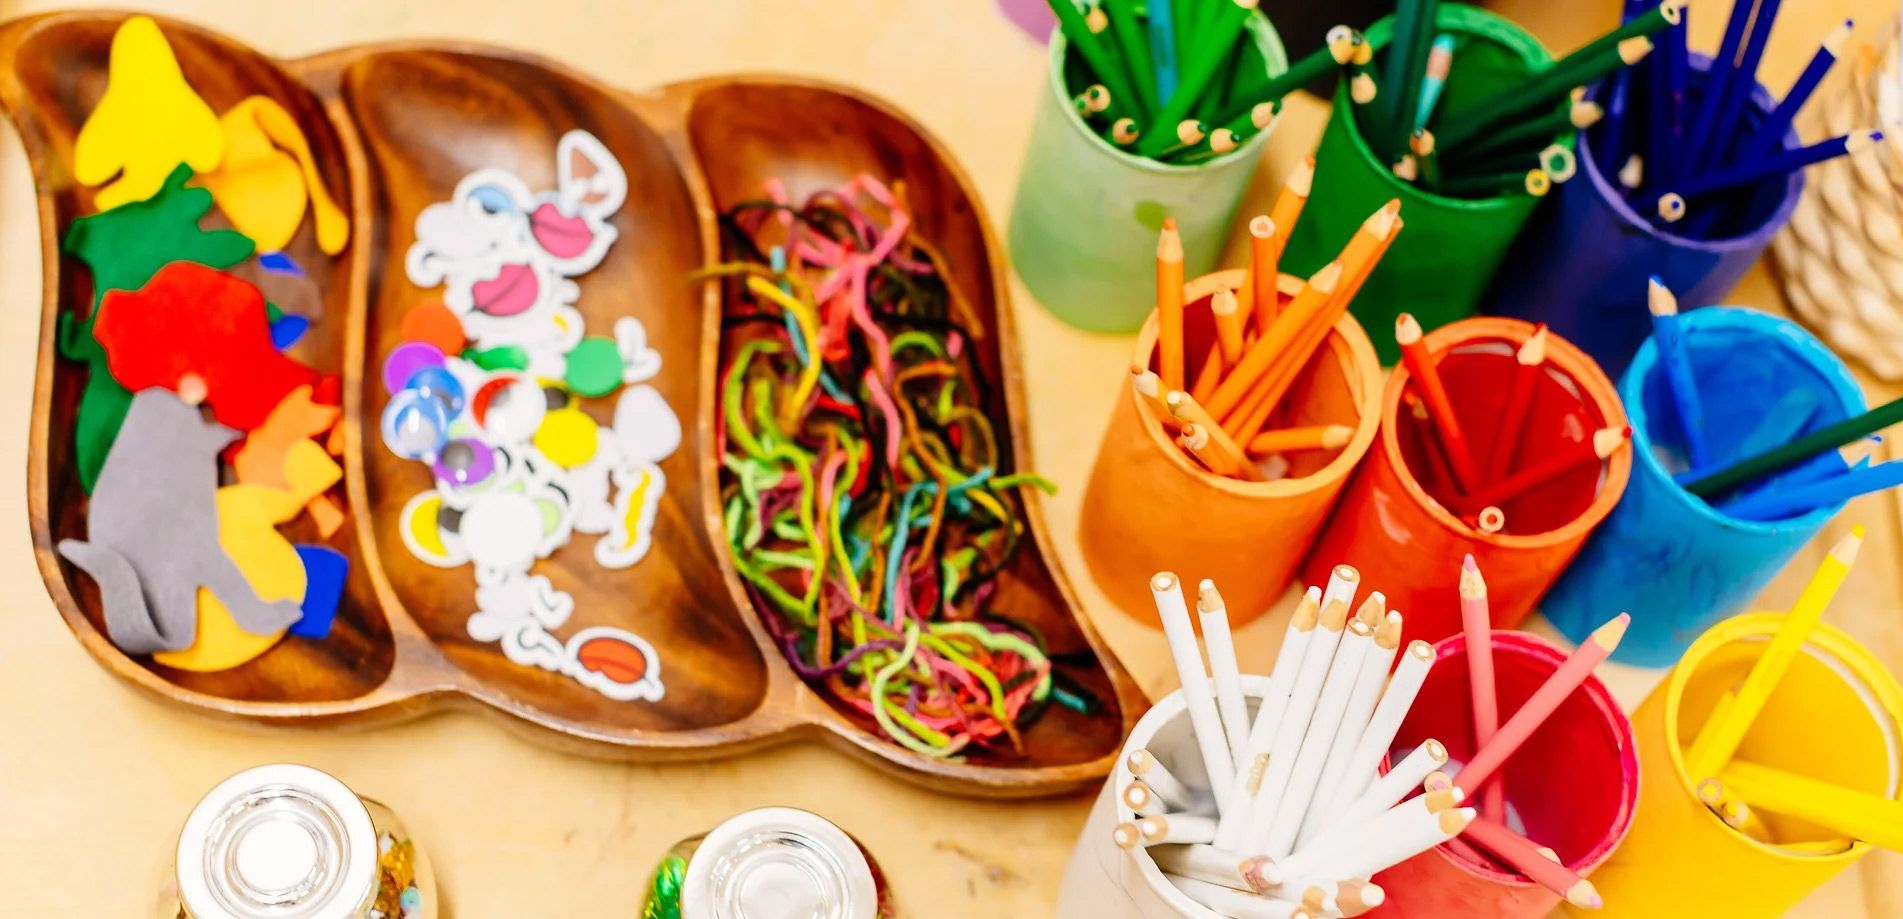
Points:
(1582, 114)
(1413, 45)
(1211, 41)
(1339, 50)
(1542, 90)
(1134, 43)
(1533, 181)
(1093, 46)
(1799, 450)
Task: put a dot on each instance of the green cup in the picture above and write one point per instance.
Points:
(1084, 222)
(1440, 265)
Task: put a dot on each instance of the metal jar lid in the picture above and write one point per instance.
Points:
(278, 842)
(778, 863)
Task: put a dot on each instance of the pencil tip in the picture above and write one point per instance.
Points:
(1407, 329)
(1845, 551)
(1208, 598)
(1467, 563)
(1660, 298)
(1584, 896)
(1607, 636)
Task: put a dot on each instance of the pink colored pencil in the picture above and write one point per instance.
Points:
(1476, 622)
(1486, 761)
(1523, 855)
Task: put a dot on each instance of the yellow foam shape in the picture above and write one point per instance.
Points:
(262, 188)
(148, 121)
(248, 517)
(567, 437)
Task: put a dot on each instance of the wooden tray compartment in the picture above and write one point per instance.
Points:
(396, 127)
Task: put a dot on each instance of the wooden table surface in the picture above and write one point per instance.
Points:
(96, 779)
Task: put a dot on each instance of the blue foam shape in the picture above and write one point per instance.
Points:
(280, 263)
(287, 330)
(324, 571)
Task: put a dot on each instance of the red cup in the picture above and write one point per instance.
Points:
(1392, 523)
(1574, 784)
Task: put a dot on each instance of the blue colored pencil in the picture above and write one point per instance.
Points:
(1677, 361)
(1784, 503)
(1440, 60)
(1610, 145)
(1739, 83)
(1771, 135)
(1721, 65)
(1749, 171)
(1163, 49)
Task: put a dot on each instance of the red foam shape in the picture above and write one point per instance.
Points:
(193, 321)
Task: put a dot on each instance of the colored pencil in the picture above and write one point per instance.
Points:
(1303, 697)
(1734, 85)
(1538, 707)
(1529, 359)
(1290, 201)
(1718, 739)
(1149, 392)
(1094, 48)
(1680, 378)
(1568, 457)
(1749, 171)
(1706, 122)
(1440, 62)
(1162, 829)
(1262, 732)
(1264, 271)
(1237, 904)
(1219, 646)
(1186, 409)
(1132, 42)
(1201, 862)
(1141, 801)
(1871, 818)
(1421, 366)
(1378, 737)
(1169, 305)
(1356, 643)
(1206, 48)
(1578, 116)
(1369, 681)
(1414, 25)
(1173, 610)
(1793, 500)
(1144, 765)
(1477, 625)
(1194, 440)
(1256, 360)
(1544, 89)
(1295, 440)
(1770, 136)
(1162, 34)
(1783, 457)
(1524, 856)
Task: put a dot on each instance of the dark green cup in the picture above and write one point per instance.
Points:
(1440, 265)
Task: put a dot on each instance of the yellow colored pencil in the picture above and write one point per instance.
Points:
(1875, 819)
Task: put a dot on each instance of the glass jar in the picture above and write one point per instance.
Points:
(771, 863)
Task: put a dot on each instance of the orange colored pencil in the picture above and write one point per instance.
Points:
(1150, 393)
(1195, 441)
(1420, 365)
(1506, 444)
(1572, 456)
(1539, 706)
(1169, 305)
(1256, 360)
(1289, 203)
(1208, 374)
(1264, 270)
(1294, 440)
(1225, 306)
(1185, 408)
(1525, 856)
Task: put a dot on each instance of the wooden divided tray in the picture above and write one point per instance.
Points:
(393, 128)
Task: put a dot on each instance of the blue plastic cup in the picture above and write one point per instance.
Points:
(1674, 562)
(1583, 260)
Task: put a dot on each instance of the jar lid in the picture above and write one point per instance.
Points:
(281, 841)
(778, 863)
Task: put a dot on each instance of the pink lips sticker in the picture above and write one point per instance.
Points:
(563, 236)
(511, 291)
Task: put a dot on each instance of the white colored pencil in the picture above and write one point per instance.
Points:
(1144, 765)
(1320, 737)
(1203, 863)
(1368, 846)
(1236, 904)
(1386, 722)
(1141, 801)
(1423, 831)
(1203, 720)
(1251, 769)
(1221, 650)
(1343, 581)
(1398, 783)
(1164, 828)
(1354, 723)
(1302, 700)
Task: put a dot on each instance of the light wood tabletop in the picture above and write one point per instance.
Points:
(95, 779)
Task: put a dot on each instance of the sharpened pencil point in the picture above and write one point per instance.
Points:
(1407, 329)
(1659, 298)
(1608, 636)
(1834, 42)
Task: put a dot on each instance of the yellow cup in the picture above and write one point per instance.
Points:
(1836, 716)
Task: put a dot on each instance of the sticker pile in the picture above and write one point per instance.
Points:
(187, 319)
(486, 389)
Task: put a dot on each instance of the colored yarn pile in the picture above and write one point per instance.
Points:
(863, 488)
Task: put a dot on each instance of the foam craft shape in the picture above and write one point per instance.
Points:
(594, 367)
(292, 294)
(124, 248)
(248, 517)
(287, 331)
(324, 572)
(431, 323)
(280, 263)
(260, 459)
(148, 122)
(262, 184)
(193, 321)
(153, 532)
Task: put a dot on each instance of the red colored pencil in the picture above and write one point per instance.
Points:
(1523, 855)
(1506, 444)
(1476, 623)
(1564, 460)
(1420, 365)
(1486, 760)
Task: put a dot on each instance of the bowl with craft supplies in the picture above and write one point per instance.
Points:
(1748, 435)
(1260, 438)
(1538, 747)
(284, 839)
(495, 475)
(1498, 439)
(1484, 134)
(1257, 796)
(1770, 766)
(1146, 113)
(1688, 183)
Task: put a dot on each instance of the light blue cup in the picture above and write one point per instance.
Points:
(1665, 556)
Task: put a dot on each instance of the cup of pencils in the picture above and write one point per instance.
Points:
(1689, 174)
(1094, 188)
(1720, 502)
(1250, 416)
(1554, 783)
(1498, 440)
(1435, 68)
(1808, 786)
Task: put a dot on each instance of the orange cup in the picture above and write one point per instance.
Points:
(1150, 507)
(1392, 525)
